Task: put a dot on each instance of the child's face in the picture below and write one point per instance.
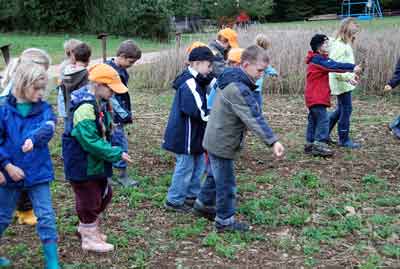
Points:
(103, 91)
(125, 62)
(35, 92)
(203, 67)
(255, 70)
(324, 47)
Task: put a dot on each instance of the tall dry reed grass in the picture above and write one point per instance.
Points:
(378, 48)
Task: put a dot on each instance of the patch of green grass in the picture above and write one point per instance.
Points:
(267, 178)
(372, 262)
(139, 258)
(388, 200)
(306, 179)
(185, 231)
(53, 43)
(297, 217)
(391, 250)
(261, 211)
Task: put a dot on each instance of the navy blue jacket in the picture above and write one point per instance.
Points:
(39, 126)
(124, 99)
(188, 116)
(395, 81)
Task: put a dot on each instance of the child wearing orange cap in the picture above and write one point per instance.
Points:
(88, 153)
(226, 40)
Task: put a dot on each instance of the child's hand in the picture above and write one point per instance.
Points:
(2, 179)
(126, 157)
(353, 82)
(278, 149)
(27, 146)
(16, 173)
(358, 69)
(387, 88)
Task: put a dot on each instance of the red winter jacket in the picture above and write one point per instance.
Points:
(317, 90)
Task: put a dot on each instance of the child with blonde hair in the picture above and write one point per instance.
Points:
(263, 42)
(37, 56)
(342, 84)
(27, 124)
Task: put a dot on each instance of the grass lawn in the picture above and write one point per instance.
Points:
(53, 44)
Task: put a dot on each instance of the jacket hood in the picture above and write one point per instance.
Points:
(234, 74)
(181, 79)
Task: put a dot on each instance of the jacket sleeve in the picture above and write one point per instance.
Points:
(44, 133)
(190, 101)
(4, 155)
(395, 81)
(85, 131)
(270, 71)
(218, 66)
(332, 66)
(247, 109)
(338, 54)
(122, 113)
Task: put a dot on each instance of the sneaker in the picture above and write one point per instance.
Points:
(308, 148)
(206, 212)
(234, 227)
(322, 150)
(189, 201)
(127, 182)
(350, 145)
(395, 132)
(177, 208)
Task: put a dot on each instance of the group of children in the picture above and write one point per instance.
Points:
(218, 98)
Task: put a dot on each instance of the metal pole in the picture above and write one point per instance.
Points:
(178, 39)
(103, 38)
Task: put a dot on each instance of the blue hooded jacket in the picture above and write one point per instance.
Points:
(39, 126)
(188, 116)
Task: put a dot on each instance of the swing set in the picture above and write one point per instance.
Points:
(363, 10)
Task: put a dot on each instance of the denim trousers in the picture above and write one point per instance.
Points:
(40, 197)
(186, 179)
(318, 124)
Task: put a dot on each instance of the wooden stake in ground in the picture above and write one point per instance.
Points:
(5, 50)
(103, 38)
(178, 39)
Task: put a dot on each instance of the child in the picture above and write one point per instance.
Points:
(127, 54)
(75, 76)
(263, 42)
(317, 94)
(88, 153)
(27, 124)
(393, 83)
(226, 39)
(343, 84)
(185, 130)
(24, 211)
(235, 109)
(234, 59)
(69, 45)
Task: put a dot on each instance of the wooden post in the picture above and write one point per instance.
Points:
(178, 39)
(5, 50)
(103, 37)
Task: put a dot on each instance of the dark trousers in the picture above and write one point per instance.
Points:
(24, 203)
(91, 198)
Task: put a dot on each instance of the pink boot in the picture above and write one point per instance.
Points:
(91, 239)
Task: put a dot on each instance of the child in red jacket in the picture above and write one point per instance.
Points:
(317, 94)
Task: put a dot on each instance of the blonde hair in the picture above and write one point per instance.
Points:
(33, 55)
(69, 45)
(345, 32)
(263, 42)
(26, 75)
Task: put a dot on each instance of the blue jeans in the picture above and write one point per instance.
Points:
(40, 196)
(395, 126)
(342, 116)
(318, 124)
(186, 179)
(220, 189)
(118, 138)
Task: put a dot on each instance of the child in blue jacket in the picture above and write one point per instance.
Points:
(27, 124)
(185, 130)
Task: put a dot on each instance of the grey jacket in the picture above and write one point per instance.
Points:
(220, 55)
(234, 110)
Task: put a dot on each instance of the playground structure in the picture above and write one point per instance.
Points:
(371, 9)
